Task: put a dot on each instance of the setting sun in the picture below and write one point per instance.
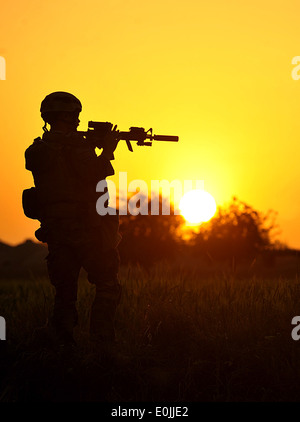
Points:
(197, 206)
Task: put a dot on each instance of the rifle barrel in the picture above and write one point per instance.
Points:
(165, 138)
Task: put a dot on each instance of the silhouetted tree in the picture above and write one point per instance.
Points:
(236, 231)
(149, 238)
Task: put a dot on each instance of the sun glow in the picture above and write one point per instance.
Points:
(197, 206)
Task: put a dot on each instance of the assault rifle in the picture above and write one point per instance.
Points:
(97, 130)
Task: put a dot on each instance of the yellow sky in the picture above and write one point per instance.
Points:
(217, 74)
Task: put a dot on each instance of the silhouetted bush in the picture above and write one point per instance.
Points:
(236, 231)
(149, 238)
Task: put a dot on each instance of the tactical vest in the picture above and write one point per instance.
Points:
(63, 189)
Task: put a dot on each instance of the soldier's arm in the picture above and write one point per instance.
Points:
(95, 168)
(105, 167)
(89, 167)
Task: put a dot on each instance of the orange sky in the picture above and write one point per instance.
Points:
(217, 74)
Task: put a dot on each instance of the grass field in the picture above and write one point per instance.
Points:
(187, 337)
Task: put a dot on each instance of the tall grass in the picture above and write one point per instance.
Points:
(188, 338)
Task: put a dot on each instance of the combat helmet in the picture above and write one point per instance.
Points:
(60, 101)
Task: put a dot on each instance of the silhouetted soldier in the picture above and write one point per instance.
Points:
(66, 170)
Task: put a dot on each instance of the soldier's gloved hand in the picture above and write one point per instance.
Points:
(110, 143)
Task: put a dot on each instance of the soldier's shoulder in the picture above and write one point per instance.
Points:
(34, 143)
(37, 153)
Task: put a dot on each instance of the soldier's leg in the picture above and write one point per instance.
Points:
(63, 270)
(102, 268)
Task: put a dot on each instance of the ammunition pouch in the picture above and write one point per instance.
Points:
(31, 204)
